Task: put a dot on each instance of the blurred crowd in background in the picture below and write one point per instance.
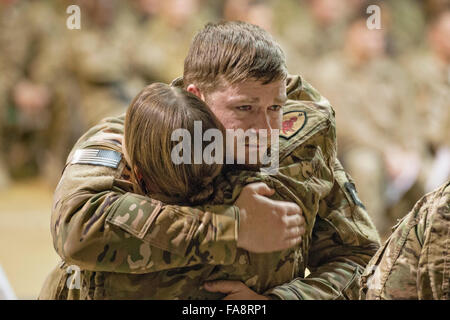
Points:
(389, 86)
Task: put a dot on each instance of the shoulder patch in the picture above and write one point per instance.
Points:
(293, 122)
(352, 191)
(97, 157)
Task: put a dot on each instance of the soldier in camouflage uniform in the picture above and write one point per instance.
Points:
(92, 222)
(430, 72)
(303, 25)
(153, 57)
(252, 268)
(99, 60)
(25, 99)
(259, 271)
(38, 118)
(407, 20)
(375, 110)
(413, 263)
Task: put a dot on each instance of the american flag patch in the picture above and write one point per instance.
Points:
(97, 157)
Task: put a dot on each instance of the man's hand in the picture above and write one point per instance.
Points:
(267, 225)
(235, 290)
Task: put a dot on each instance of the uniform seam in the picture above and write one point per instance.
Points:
(427, 238)
(446, 280)
(396, 253)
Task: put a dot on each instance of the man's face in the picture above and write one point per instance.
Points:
(251, 106)
(366, 44)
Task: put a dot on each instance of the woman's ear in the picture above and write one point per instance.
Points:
(192, 88)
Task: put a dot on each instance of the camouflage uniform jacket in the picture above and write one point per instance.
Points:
(414, 263)
(98, 224)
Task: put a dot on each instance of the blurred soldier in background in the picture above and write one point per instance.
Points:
(148, 59)
(258, 12)
(35, 118)
(22, 99)
(162, 33)
(8, 76)
(98, 57)
(430, 71)
(378, 130)
(311, 28)
(412, 264)
(407, 22)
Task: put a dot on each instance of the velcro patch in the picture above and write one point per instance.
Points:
(293, 122)
(97, 157)
(352, 191)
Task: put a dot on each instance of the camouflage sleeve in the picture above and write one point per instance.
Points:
(343, 241)
(413, 262)
(100, 227)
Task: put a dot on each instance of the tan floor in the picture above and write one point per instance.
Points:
(26, 249)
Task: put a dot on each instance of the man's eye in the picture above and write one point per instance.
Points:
(244, 108)
(275, 108)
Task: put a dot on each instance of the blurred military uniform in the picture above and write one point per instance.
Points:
(31, 59)
(413, 263)
(15, 40)
(375, 114)
(431, 78)
(99, 58)
(49, 68)
(304, 36)
(430, 71)
(161, 38)
(407, 21)
(153, 56)
(99, 225)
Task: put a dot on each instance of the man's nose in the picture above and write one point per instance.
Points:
(262, 123)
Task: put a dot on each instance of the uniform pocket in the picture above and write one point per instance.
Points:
(370, 269)
(351, 289)
(165, 227)
(135, 214)
(381, 265)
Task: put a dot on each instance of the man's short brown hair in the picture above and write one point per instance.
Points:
(233, 51)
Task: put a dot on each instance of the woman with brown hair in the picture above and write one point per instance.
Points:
(153, 116)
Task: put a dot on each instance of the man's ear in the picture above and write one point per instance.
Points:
(192, 88)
